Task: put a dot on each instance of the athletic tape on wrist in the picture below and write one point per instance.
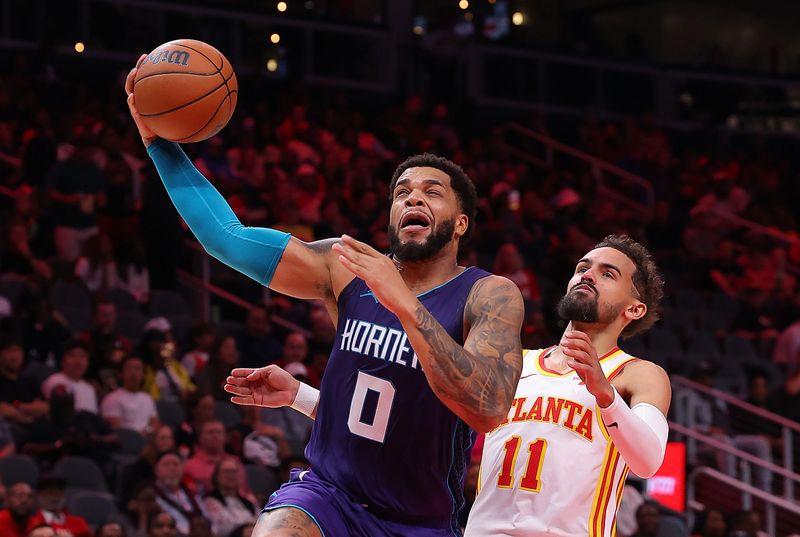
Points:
(306, 399)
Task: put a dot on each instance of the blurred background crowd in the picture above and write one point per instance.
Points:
(112, 364)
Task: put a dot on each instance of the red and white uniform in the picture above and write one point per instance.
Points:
(550, 469)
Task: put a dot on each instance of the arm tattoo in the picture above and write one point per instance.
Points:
(481, 377)
(321, 247)
(293, 520)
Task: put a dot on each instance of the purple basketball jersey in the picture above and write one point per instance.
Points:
(381, 435)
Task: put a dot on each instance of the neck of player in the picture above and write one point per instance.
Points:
(424, 275)
(604, 339)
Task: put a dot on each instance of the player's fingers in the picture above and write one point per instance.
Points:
(261, 374)
(348, 251)
(237, 400)
(352, 267)
(577, 354)
(140, 60)
(129, 81)
(242, 371)
(238, 390)
(577, 334)
(356, 244)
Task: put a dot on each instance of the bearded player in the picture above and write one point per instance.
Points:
(425, 351)
(584, 413)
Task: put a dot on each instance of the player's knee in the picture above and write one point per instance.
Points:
(285, 522)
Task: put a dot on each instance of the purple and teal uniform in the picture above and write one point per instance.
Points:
(387, 457)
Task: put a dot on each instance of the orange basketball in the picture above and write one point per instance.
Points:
(185, 90)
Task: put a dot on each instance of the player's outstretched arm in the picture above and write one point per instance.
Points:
(268, 256)
(271, 387)
(476, 381)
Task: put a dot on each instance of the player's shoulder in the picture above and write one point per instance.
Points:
(495, 288)
(639, 368)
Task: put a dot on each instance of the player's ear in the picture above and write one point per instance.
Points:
(636, 311)
(462, 223)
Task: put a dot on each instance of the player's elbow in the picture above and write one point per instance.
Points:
(646, 464)
(485, 424)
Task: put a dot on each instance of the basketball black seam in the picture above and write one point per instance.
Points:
(184, 105)
(219, 70)
(209, 119)
(174, 73)
(222, 62)
(200, 52)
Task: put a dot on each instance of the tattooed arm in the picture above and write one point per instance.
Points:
(477, 381)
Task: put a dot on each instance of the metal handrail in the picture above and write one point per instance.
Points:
(770, 500)
(598, 166)
(738, 453)
(591, 159)
(193, 280)
(754, 226)
(730, 399)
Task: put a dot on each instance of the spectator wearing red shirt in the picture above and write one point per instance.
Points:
(209, 452)
(52, 512)
(16, 520)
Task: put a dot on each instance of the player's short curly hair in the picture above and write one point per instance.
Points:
(459, 181)
(648, 284)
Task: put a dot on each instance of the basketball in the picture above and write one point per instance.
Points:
(185, 90)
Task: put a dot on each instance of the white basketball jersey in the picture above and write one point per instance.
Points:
(550, 468)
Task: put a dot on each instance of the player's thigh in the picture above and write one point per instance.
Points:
(285, 522)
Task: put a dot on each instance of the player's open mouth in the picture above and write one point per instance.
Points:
(415, 221)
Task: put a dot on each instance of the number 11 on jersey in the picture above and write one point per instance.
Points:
(533, 470)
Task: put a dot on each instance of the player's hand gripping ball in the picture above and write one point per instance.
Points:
(185, 91)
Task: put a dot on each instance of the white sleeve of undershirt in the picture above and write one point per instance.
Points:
(639, 433)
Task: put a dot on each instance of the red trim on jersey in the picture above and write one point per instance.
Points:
(569, 371)
(620, 490)
(610, 491)
(618, 369)
(600, 500)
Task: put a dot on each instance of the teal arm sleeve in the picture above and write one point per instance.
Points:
(252, 251)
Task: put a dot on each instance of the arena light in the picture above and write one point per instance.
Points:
(463, 4)
(282, 6)
(79, 47)
(272, 65)
(275, 38)
(517, 18)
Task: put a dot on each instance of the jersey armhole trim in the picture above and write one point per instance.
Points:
(303, 509)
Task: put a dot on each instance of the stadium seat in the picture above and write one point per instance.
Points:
(70, 295)
(634, 346)
(93, 506)
(79, 319)
(181, 325)
(37, 372)
(170, 413)
(12, 289)
(19, 469)
(131, 324)
(261, 480)
(132, 442)
(81, 473)
(227, 414)
(689, 299)
(704, 344)
(740, 346)
(167, 304)
(231, 328)
(123, 300)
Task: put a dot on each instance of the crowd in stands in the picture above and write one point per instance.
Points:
(103, 359)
